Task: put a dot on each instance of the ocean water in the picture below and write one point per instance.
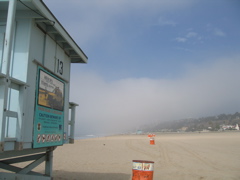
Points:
(88, 136)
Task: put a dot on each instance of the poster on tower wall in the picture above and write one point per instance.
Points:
(49, 110)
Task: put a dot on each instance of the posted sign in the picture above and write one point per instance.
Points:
(49, 110)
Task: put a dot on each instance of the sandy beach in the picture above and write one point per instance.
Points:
(187, 156)
(176, 156)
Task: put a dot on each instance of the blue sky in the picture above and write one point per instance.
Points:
(152, 60)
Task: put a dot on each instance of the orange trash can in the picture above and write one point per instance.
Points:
(142, 170)
(152, 141)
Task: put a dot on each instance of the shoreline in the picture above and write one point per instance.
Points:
(156, 133)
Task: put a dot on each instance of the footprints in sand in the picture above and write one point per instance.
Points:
(168, 154)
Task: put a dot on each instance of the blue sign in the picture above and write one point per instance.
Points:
(49, 110)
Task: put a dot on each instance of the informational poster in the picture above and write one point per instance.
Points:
(49, 110)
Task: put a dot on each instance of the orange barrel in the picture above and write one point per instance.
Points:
(152, 141)
(142, 170)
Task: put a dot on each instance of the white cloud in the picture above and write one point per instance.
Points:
(165, 22)
(192, 37)
(191, 34)
(87, 21)
(116, 106)
(219, 32)
(181, 39)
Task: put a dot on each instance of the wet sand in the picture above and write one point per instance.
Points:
(186, 156)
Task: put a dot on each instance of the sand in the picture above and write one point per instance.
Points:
(186, 156)
(176, 156)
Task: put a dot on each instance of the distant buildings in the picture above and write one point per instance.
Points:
(229, 127)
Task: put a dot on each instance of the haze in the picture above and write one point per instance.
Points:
(152, 61)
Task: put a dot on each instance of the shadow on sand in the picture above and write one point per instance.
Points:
(65, 175)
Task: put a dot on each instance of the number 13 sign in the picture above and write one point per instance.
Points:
(59, 67)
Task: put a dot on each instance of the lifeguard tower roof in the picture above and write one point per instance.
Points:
(49, 24)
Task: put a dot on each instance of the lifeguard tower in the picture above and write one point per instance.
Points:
(36, 116)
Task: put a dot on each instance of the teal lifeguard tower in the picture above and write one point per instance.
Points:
(36, 116)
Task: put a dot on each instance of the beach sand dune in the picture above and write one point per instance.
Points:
(180, 156)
